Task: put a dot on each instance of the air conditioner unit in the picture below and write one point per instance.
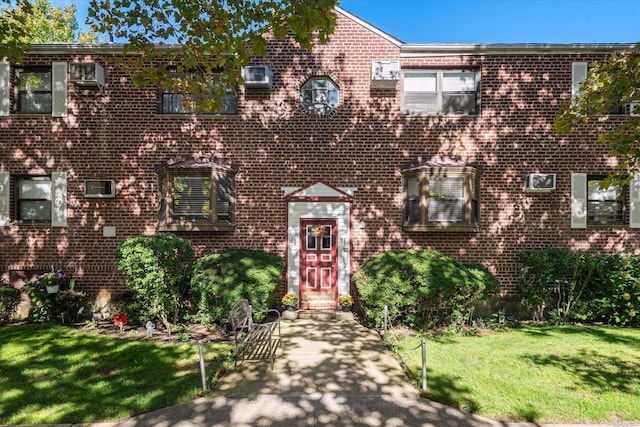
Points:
(86, 74)
(384, 74)
(257, 76)
(635, 105)
(540, 182)
(99, 189)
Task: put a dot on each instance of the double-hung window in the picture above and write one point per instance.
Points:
(174, 102)
(605, 206)
(431, 92)
(437, 198)
(593, 205)
(34, 198)
(34, 90)
(38, 199)
(198, 198)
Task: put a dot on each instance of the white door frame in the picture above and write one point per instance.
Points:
(319, 200)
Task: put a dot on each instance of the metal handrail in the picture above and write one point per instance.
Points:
(423, 345)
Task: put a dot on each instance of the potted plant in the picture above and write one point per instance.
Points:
(52, 280)
(346, 302)
(290, 301)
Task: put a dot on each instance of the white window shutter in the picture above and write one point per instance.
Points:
(59, 95)
(634, 201)
(578, 200)
(59, 199)
(5, 220)
(5, 88)
(578, 76)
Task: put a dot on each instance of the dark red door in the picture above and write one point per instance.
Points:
(318, 263)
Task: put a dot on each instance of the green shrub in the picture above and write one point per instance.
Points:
(614, 294)
(557, 276)
(42, 303)
(578, 285)
(223, 278)
(421, 288)
(158, 272)
(9, 300)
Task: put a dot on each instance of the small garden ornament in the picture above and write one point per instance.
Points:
(120, 321)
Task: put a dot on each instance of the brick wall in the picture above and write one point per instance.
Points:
(118, 134)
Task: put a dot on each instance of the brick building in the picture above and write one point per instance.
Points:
(369, 143)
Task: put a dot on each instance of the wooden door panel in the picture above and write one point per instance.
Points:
(318, 263)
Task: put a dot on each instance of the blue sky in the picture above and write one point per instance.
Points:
(503, 21)
(491, 21)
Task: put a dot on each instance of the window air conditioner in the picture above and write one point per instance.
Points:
(257, 76)
(99, 189)
(86, 74)
(384, 74)
(635, 105)
(540, 182)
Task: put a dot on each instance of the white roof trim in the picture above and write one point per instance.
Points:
(319, 189)
(443, 49)
(370, 27)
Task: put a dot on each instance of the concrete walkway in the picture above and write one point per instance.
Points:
(328, 372)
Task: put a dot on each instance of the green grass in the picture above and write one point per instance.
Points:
(543, 374)
(55, 374)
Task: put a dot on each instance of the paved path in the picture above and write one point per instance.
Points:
(332, 372)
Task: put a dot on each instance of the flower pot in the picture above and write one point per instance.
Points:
(290, 314)
(53, 289)
(346, 308)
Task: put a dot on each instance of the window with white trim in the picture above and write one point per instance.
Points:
(437, 198)
(34, 90)
(593, 205)
(197, 199)
(579, 72)
(179, 103)
(33, 198)
(35, 94)
(431, 92)
(605, 206)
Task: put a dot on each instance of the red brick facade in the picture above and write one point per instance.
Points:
(118, 134)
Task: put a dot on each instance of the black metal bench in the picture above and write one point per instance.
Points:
(254, 340)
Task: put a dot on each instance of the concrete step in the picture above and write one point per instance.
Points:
(325, 315)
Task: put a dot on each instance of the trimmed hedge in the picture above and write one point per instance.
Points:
(422, 288)
(223, 278)
(158, 272)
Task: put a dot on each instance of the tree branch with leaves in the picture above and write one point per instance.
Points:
(607, 87)
(206, 37)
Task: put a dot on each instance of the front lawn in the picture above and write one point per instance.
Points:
(543, 374)
(54, 374)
